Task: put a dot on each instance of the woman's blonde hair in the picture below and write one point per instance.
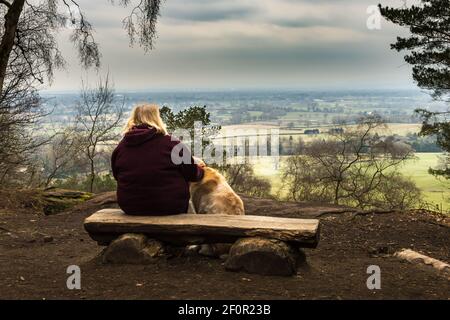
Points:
(146, 114)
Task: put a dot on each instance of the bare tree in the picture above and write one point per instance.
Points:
(303, 180)
(99, 116)
(242, 178)
(19, 112)
(29, 34)
(394, 192)
(29, 29)
(348, 168)
(141, 23)
(29, 54)
(60, 154)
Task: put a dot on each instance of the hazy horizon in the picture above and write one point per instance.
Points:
(248, 89)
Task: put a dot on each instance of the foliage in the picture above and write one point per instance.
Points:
(186, 120)
(437, 123)
(429, 24)
(429, 54)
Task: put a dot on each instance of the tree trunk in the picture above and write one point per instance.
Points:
(49, 179)
(7, 42)
(91, 182)
(336, 192)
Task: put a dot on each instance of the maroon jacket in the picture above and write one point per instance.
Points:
(148, 182)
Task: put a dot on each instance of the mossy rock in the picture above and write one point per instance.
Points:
(58, 200)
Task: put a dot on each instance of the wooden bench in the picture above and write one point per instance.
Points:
(184, 229)
(190, 229)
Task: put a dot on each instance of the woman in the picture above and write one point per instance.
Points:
(148, 181)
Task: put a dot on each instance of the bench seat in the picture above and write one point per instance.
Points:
(106, 225)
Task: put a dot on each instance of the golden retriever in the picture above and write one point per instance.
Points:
(213, 195)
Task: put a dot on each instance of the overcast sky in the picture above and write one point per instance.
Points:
(310, 44)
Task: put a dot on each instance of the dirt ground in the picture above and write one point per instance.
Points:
(35, 251)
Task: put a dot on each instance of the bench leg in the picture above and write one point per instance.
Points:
(132, 248)
(264, 256)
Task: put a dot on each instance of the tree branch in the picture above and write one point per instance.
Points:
(6, 3)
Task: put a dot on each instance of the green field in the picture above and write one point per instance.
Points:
(435, 191)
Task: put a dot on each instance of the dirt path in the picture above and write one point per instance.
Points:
(35, 251)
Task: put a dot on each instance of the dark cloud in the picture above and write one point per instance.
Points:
(209, 14)
(301, 23)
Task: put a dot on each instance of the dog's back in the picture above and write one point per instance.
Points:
(213, 195)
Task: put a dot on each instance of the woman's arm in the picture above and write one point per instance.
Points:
(189, 169)
(113, 163)
(192, 172)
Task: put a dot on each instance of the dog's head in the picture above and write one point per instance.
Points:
(199, 162)
(211, 175)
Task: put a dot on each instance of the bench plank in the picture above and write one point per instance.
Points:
(106, 225)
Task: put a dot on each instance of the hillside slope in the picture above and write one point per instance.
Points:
(35, 251)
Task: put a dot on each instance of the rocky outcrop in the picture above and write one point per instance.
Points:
(48, 201)
(57, 200)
